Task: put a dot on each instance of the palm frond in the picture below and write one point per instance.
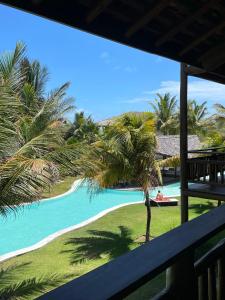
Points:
(10, 74)
(172, 162)
(30, 287)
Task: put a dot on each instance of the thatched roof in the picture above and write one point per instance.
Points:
(169, 145)
(106, 122)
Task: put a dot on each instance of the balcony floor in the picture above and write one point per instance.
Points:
(206, 191)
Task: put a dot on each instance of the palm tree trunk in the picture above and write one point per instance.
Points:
(148, 210)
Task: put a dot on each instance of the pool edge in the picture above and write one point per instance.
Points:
(53, 236)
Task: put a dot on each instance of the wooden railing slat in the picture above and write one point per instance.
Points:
(221, 278)
(203, 286)
(212, 282)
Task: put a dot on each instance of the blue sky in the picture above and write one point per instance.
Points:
(106, 78)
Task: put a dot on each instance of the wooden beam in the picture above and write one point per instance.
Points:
(97, 10)
(183, 142)
(202, 38)
(179, 27)
(147, 17)
(214, 57)
(191, 70)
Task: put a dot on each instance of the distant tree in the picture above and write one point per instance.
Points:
(196, 117)
(165, 107)
(82, 129)
(216, 128)
(220, 112)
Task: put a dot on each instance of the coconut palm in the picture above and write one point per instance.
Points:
(127, 153)
(164, 107)
(83, 128)
(220, 112)
(32, 148)
(196, 117)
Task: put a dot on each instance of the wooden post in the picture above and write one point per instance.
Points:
(221, 278)
(181, 280)
(183, 142)
(174, 275)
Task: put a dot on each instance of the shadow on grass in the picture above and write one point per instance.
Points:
(99, 244)
(201, 208)
(11, 287)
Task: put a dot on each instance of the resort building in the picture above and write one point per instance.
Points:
(192, 33)
(169, 146)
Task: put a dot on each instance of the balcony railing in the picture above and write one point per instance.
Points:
(207, 167)
(174, 251)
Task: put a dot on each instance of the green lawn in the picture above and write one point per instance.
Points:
(82, 250)
(60, 187)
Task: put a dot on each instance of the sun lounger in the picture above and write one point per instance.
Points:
(164, 202)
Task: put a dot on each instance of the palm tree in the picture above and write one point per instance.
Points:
(220, 112)
(83, 128)
(164, 107)
(196, 117)
(126, 153)
(32, 148)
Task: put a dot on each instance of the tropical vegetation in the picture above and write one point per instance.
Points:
(32, 148)
(39, 146)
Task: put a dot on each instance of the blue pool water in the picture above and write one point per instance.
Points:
(36, 221)
(169, 190)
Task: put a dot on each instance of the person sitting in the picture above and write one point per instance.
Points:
(159, 196)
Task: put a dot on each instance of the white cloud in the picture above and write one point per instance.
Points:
(199, 89)
(130, 69)
(136, 100)
(158, 59)
(109, 60)
(117, 67)
(105, 56)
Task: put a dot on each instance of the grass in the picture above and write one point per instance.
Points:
(60, 187)
(82, 250)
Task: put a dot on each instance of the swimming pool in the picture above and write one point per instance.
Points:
(36, 224)
(169, 190)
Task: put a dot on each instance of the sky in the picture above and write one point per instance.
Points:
(106, 78)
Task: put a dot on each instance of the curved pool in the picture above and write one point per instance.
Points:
(36, 224)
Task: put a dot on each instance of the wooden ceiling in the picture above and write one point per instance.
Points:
(190, 31)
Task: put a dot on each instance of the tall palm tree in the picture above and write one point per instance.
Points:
(196, 117)
(164, 107)
(32, 148)
(127, 153)
(220, 112)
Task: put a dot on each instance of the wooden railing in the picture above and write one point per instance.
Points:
(208, 167)
(210, 273)
(175, 252)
